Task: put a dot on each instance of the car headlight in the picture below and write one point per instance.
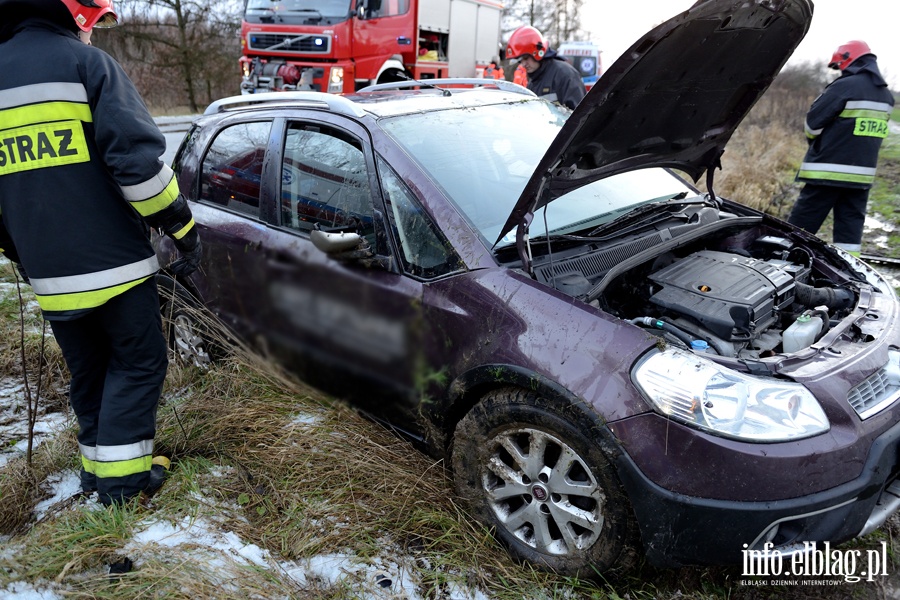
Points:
(703, 394)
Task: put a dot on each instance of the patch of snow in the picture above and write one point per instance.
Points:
(61, 486)
(21, 590)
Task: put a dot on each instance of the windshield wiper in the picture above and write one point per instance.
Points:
(638, 215)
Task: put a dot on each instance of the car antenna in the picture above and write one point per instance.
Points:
(443, 91)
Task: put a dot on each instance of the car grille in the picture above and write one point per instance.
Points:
(879, 391)
(289, 42)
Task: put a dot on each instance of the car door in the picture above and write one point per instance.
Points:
(230, 213)
(348, 324)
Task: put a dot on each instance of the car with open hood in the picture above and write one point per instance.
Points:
(611, 361)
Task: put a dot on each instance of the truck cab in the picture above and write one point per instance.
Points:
(340, 46)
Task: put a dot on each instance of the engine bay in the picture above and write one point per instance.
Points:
(714, 281)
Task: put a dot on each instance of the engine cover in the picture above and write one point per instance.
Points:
(735, 297)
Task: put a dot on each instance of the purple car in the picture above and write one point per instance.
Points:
(611, 362)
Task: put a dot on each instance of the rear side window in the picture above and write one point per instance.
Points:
(324, 181)
(232, 168)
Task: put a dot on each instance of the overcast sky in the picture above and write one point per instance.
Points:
(615, 25)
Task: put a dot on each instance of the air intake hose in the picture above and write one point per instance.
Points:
(834, 298)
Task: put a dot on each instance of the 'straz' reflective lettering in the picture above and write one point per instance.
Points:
(41, 146)
(871, 128)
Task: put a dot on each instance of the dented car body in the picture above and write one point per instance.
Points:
(610, 360)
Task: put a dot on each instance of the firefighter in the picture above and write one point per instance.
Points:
(549, 76)
(844, 127)
(493, 70)
(80, 182)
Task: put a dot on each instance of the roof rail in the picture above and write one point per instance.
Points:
(332, 102)
(506, 86)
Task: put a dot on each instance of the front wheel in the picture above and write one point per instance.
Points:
(534, 472)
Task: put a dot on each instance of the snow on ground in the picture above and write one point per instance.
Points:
(227, 556)
(14, 420)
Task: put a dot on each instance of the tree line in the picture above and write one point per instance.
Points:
(183, 54)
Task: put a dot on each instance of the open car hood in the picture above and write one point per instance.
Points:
(672, 100)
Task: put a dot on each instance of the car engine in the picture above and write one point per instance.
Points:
(736, 295)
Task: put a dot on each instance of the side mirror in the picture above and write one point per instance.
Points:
(335, 242)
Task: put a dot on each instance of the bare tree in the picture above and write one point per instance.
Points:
(558, 20)
(179, 53)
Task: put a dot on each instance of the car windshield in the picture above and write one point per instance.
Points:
(483, 157)
(321, 9)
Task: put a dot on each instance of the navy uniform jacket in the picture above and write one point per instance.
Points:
(846, 126)
(557, 80)
(80, 171)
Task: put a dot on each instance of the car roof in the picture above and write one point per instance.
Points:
(386, 100)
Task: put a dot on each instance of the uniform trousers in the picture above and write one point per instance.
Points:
(117, 358)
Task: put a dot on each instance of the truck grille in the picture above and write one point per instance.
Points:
(275, 43)
(879, 391)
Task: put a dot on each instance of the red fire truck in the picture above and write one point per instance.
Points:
(343, 45)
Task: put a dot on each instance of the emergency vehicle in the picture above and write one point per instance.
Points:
(585, 57)
(343, 45)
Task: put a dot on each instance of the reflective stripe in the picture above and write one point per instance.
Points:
(43, 92)
(89, 452)
(160, 201)
(868, 105)
(183, 231)
(150, 188)
(849, 247)
(120, 468)
(124, 451)
(78, 301)
(117, 461)
(46, 112)
(811, 133)
(836, 168)
(865, 114)
(72, 284)
(827, 176)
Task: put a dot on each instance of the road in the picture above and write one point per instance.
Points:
(174, 129)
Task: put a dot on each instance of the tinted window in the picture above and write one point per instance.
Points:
(324, 181)
(423, 251)
(232, 168)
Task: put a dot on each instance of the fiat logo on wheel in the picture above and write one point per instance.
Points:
(539, 493)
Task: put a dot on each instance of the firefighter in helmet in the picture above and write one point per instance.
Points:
(81, 182)
(549, 75)
(845, 127)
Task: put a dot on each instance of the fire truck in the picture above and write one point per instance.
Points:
(585, 57)
(343, 45)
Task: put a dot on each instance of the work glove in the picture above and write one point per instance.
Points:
(191, 251)
(22, 273)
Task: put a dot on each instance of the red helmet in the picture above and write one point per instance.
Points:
(92, 13)
(526, 40)
(847, 53)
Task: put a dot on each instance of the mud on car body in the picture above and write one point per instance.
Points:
(611, 361)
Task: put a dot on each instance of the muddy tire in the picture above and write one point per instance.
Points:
(186, 326)
(532, 470)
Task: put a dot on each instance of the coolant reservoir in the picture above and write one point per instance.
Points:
(802, 332)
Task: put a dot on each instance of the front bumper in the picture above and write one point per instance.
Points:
(679, 530)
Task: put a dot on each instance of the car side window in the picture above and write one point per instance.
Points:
(232, 167)
(423, 250)
(324, 181)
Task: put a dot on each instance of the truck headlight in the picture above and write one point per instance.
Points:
(336, 81)
(700, 393)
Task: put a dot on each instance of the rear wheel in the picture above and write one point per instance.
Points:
(532, 470)
(183, 322)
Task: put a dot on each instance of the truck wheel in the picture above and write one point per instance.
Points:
(534, 472)
(183, 323)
